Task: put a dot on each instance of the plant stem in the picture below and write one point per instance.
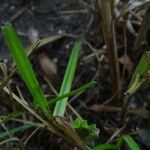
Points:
(144, 27)
(106, 11)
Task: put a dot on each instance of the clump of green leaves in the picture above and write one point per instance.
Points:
(59, 126)
(88, 133)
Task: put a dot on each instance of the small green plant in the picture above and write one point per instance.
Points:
(88, 133)
(78, 131)
(56, 125)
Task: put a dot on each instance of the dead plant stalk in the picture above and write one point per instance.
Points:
(141, 33)
(106, 8)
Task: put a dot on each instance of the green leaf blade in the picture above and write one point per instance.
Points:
(131, 143)
(140, 73)
(144, 64)
(79, 90)
(25, 68)
(15, 130)
(105, 147)
(67, 81)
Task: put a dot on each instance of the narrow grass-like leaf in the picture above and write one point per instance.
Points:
(11, 116)
(131, 143)
(105, 147)
(74, 92)
(25, 68)
(15, 130)
(128, 139)
(67, 81)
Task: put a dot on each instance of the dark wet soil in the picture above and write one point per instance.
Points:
(50, 17)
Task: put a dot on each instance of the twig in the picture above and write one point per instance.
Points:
(86, 5)
(115, 134)
(107, 108)
(9, 140)
(20, 12)
(32, 133)
(83, 11)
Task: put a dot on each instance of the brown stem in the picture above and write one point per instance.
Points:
(106, 8)
(144, 27)
(107, 108)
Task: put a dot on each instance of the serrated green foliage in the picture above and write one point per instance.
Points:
(88, 133)
(25, 68)
(80, 123)
(67, 80)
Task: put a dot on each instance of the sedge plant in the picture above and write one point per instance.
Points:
(40, 102)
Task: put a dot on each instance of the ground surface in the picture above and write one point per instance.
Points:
(73, 20)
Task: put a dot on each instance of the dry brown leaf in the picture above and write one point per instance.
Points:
(49, 67)
(33, 35)
(126, 62)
